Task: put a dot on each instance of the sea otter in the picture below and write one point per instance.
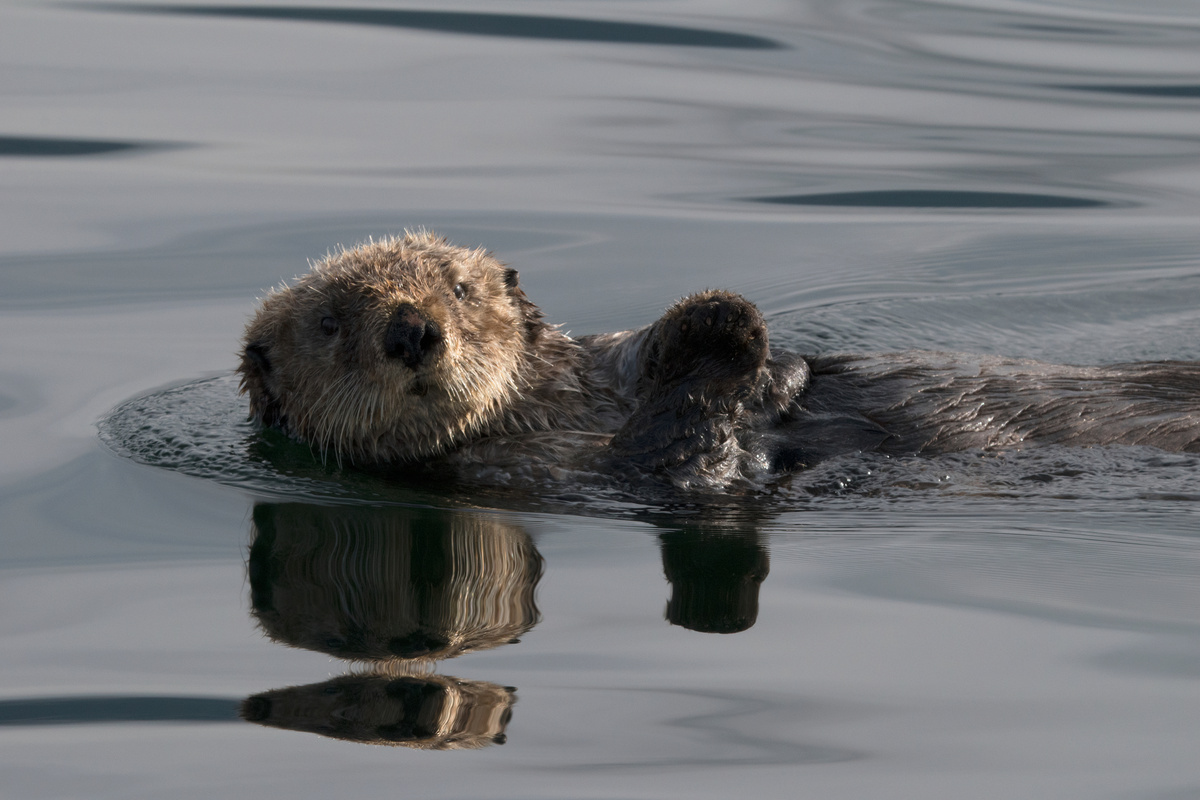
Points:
(413, 352)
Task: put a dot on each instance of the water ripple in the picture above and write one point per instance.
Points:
(1151, 90)
(514, 26)
(57, 147)
(934, 198)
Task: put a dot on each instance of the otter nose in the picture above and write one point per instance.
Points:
(410, 337)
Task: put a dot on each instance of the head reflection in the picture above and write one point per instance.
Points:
(383, 584)
(714, 579)
(429, 712)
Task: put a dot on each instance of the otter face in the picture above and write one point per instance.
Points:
(397, 350)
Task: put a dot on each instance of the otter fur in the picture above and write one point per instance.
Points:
(413, 352)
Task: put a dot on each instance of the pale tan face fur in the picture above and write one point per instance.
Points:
(320, 357)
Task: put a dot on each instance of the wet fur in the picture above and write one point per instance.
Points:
(935, 402)
(493, 393)
(501, 369)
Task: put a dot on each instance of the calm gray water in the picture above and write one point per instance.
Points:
(1017, 177)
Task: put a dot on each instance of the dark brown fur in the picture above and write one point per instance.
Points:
(932, 402)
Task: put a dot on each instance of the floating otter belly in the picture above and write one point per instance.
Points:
(411, 351)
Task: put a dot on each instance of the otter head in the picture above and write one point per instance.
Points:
(397, 350)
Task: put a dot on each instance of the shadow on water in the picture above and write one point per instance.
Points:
(1180, 91)
(515, 26)
(934, 198)
(55, 147)
(109, 709)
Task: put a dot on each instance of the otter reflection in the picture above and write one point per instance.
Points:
(366, 583)
(429, 712)
(714, 579)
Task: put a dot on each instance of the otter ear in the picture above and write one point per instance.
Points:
(510, 278)
(255, 354)
(255, 367)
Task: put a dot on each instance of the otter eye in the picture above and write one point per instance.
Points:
(329, 325)
(460, 291)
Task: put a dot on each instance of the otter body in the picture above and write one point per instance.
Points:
(936, 402)
(414, 352)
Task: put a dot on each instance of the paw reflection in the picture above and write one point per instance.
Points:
(714, 579)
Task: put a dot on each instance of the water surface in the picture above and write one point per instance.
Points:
(1012, 178)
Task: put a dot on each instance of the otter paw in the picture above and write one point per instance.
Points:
(705, 362)
(720, 334)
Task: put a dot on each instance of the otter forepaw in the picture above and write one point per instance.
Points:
(717, 334)
(705, 360)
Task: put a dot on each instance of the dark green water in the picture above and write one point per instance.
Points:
(1013, 178)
